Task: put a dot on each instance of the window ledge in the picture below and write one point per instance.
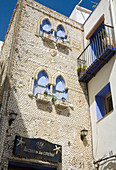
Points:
(49, 37)
(47, 99)
(43, 98)
(104, 116)
(63, 104)
(46, 36)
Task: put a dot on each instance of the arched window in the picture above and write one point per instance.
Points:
(59, 90)
(61, 33)
(41, 84)
(45, 27)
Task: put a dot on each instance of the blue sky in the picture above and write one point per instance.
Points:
(64, 7)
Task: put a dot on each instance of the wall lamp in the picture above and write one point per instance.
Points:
(84, 133)
(12, 117)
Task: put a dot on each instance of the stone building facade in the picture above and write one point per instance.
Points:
(25, 54)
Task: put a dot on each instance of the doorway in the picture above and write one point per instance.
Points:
(24, 166)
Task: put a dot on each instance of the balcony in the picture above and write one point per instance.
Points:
(62, 104)
(47, 36)
(97, 53)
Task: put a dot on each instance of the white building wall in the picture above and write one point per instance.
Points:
(80, 14)
(104, 7)
(113, 3)
(103, 131)
(31, 54)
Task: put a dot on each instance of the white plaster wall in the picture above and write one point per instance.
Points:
(36, 119)
(114, 16)
(103, 132)
(80, 14)
(104, 7)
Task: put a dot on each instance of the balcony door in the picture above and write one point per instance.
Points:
(96, 43)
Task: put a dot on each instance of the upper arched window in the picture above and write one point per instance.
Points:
(45, 27)
(60, 85)
(60, 33)
(41, 84)
(59, 90)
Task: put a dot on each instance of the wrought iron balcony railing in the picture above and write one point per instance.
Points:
(100, 49)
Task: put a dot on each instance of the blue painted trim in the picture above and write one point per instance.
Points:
(99, 98)
(97, 30)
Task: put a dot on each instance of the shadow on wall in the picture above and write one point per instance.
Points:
(15, 127)
(47, 44)
(85, 142)
(63, 49)
(60, 48)
(85, 92)
(49, 108)
(23, 126)
(44, 106)
(63, 112)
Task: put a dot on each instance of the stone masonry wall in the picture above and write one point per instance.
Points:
(38, 120)
(6, 54)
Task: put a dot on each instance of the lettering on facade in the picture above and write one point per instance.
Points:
(31, 148)
(38, 152)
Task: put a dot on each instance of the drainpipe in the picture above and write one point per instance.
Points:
(113, 19)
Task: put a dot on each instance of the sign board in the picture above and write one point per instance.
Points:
(36, 147)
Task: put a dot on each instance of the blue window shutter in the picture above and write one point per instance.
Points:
(96, 31)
